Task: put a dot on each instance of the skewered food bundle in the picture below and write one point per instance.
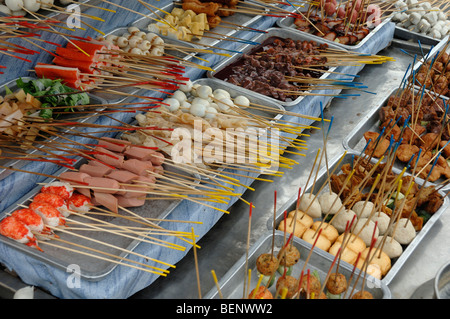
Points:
(16, 7)
(434, 74)
(305, 283)
(190, 104)
(137, 42)
(34, 101)
(266, 69)
(183, 25)
(418, 121)
(422, 17)
(389, 219)
(120, 175)
(46, 212)
(78, 63)
(347, 23)
(213, 9)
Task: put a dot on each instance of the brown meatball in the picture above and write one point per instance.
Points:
(267, 264)
(290, 256)
(313, 286)
(289, 282)
(362, 295)
(337, 283)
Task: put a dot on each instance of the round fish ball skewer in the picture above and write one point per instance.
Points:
(32, 5)
(14, 5)
(172, 104)
(204, 91)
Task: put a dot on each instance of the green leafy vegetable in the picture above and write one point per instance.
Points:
(51, 93)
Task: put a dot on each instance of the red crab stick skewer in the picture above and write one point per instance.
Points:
(13, 228)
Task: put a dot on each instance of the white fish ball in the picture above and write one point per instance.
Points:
(32, 5)
(310, 205)
(198, 109)
(199, 100)
(186, 86)
(435, 33)
(363, 209)
(340, 220)
(14, 5)
(221, 92)
(365, 229)
(5, 9)
(179, 95)
(214, 105)
(242, 101)
(391, 247)
(185, 106)
(219, 96)
(172, 104)
(382, 220)
(330, 203)
(225, 104)
(444, 31)
(403, 234)
(194, 89)
(441, 16)
(211, 113)
(204, 91)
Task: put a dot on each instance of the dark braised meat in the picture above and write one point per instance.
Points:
(273, 69)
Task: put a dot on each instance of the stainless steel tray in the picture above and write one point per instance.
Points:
(271, 32)
(253, 98)
(241, 19)
(355, 141)
(405, 34)
(398, 262)
(288, 23)
(231, 285)
(17, 164)
(91, 268)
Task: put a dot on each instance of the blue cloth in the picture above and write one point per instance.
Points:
(123, 281)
